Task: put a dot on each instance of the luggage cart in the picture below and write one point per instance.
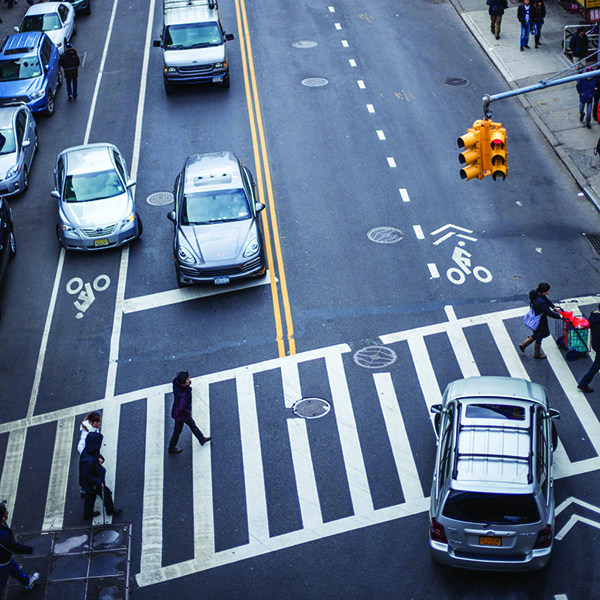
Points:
(575, 341)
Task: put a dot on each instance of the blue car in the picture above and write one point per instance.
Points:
(29, 71)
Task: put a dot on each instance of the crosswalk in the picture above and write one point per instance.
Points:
(391, 399)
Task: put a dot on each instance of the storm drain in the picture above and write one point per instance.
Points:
(304, 44)
(311, 408)
(160, 198)
(374, 357)
(594, 240)
(315, 82)
(385, 235)
(456, 81)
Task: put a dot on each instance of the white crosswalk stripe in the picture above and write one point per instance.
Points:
(386, 395)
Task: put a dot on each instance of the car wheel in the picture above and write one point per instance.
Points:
(168, 87)
(25, 179)
(13, 244)
(50, 107)
(140, 226)
(59, 240)
(88, 9)
(226, 82)
(37, 142)
(74, 29)
(60, 78)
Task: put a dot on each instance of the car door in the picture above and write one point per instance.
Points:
(67, 20)
(24, 145)
(49, 54)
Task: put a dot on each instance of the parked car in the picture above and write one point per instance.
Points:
(29, 71)
(82, 6)
(8, 244)
(56, 19)
(96, 204)
(218, 234)
(18, 145)
(492, 497)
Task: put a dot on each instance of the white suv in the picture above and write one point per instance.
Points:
(492, 497)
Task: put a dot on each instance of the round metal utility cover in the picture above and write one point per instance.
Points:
(375, 357)
(304, 44)
(456, 81)
(385, 235)
(315, 82)
(311, 408)
(160, 198)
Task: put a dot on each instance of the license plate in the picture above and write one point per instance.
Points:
(221, 280)
(485, 540)
(102, 242)
(218, 79)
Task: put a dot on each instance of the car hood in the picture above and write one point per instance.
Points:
(6, 162)
(218, 242)
(96, 213)
(200, 56)
(21, 87)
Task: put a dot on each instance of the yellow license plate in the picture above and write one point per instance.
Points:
(485, 540)
(102, 242)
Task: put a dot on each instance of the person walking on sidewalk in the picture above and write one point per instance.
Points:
(524, 16)
(182, 411)
(537, 20)
(69, 61)
(586, 89)
(594, 320)
(496, 11)
(8, 547)
(541, 304)
(91, 478)
(579, 45)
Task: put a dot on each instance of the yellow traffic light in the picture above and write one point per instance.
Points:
(471, 157)
(498, 158)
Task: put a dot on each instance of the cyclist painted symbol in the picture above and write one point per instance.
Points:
(463, 259)
(86, 297)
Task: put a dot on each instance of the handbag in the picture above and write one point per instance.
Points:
(532, 320)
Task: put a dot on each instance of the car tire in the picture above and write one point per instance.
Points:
(168, 87)
(60, 78)
(50, 107)
(140, 225)
(37, 142)
(226, 82)
(25, 179)
(74, 29)
(88, 10)
(58, 237)
(12, 243)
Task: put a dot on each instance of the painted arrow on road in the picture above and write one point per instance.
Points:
(576, 518)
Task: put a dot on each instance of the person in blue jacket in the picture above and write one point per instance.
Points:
(8, 547)
(542, 305)
(586, 89)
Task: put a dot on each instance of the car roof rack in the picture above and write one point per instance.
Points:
(172, 4)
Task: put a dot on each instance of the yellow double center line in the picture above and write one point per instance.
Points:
(268, 216)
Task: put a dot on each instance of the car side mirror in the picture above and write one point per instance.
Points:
(26, 143)
(130, 183)
(436, 409)
(229, 37)
(171, 216)
(554, 414)
(259, 206)
(156, 43)
(16, 29)
(55, 194)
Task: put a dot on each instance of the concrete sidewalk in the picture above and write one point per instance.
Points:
(555, 110)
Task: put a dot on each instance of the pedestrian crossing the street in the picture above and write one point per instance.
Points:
(396, 398)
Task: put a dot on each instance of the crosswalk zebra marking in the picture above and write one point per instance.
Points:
(11, 470)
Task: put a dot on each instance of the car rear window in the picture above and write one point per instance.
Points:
(21, 68)
(476, 507)
(495, 411)
(214, 207)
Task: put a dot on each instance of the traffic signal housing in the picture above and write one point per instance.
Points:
(485, 151)
(498, 151)
(471, 157)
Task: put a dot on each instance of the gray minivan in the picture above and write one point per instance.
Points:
(492, 496)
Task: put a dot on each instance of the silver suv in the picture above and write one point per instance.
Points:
(492, 497)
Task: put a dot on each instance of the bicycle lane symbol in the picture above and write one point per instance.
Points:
(86, 297)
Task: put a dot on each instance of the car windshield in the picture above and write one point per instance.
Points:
(92, 186)
(7, 141)
(475, 507)
(21, 68)
(48, 22)
(196, 35)
(214, 207)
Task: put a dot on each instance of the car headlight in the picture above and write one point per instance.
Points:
(185, 255)
(37, 95)
(129, 219)
(12, 171)
(221, 65)
(67, 228)
(252, 248)
(170, 70)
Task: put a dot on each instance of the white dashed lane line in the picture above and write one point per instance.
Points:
(352, 62)
(345, 44)
(380, 135)
(361, 84)
(391, 162)
(371, 108)
(433, 270)
(338, 26)
(404, 194)
(419, 232)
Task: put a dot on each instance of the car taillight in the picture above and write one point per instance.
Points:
(544, 538)
(436, 532)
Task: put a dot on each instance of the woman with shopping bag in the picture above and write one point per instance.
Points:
(542, 308)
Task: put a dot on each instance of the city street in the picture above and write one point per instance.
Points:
(389, 277)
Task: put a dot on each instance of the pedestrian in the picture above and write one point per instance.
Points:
(8, 547)
(586, 89)
(91, 424)
(524, 16)
(496, 11)
(579, 45)
(92, 476)
(596, 95)
(541, 305)
(182, 411)
(594, 320)
(69, 61)
(537, 20)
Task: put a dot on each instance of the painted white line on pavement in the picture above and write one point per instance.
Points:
(419, 232)
(425, 373)
(59, 474)
(404, 195)
(352, 62)
(361, 84)
(345, 44)
(380, 135)
(508, 350)
(338, 26)
(433, 270)
(399, 442)
(290, 379)
(391, 162)
(331, 9)
(371, 108)
(11, 470)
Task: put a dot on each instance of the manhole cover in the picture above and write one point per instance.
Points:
(304, 44)
(385, 235)
(456, 81)
(315, 82)
(311, 408)
(374, 357)
(160, 198)
(594, 240)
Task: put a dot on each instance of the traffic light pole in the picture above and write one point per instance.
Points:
(542, 85)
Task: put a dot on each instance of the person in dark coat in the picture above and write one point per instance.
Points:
(579, 45)
(524, 15)
(586, 88)
(8, 547)
(69, 61)
(496, 11)
(537, 20)
(539, 301)
(594, 320)
(182, 411)
(91, 478)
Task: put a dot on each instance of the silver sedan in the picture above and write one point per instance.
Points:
(96, 204)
